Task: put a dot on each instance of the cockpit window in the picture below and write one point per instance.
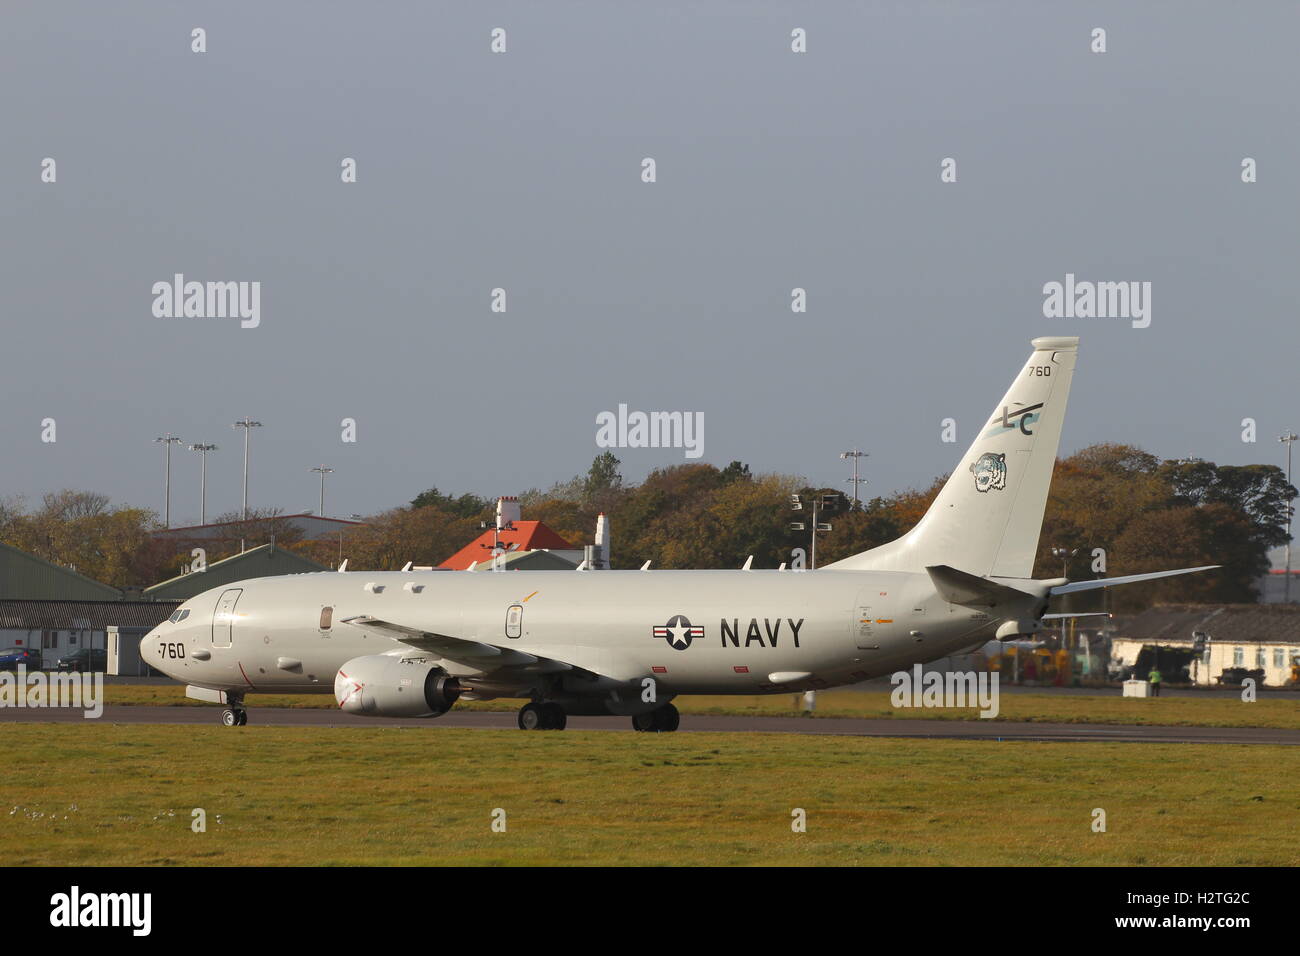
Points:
(179, 615)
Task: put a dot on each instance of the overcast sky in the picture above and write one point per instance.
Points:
(522, 171)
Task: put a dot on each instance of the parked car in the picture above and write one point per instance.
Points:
(1233, 676)
(11, 657)
(85, 659)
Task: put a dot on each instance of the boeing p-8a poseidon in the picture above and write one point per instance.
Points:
(410, 644)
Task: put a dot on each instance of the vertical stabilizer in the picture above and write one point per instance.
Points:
(988, 516)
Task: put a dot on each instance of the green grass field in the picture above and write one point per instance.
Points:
(1045, 707)
(103, 794)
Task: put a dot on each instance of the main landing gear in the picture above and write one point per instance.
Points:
(546, 715)
(543, 716)
(662, 720)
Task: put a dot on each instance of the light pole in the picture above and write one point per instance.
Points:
(168, 440)
(247, 424)
(1065, 554)
(820, 503)
(855, 480)
(323, 472)
(203, 450)
(1287, 439)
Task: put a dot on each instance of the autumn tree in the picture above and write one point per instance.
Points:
(83, 531)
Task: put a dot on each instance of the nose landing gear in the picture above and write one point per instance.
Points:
(234, 715)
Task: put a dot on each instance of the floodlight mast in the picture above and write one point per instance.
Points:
(323, 472)
(855, 481)
(247, 424)
(167, 441)
(203, 450)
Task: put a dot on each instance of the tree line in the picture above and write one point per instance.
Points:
(1109, 503)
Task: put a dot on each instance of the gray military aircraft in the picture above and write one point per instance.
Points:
(412, 643)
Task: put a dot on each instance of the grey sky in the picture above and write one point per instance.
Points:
(522, 171)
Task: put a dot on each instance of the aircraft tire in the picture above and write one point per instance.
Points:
(668, 719)
(532, 717)
(554, 716)
(661, 720)
(229, 718)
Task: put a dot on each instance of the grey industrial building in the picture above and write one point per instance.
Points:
(260, 562)
(57, 628)
(55, 610)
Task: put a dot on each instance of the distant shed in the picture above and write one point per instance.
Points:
(27, 577)
(261, 562)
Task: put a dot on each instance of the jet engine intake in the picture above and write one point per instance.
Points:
(381, 686)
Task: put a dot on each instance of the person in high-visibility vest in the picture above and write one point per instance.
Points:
(1154, 678)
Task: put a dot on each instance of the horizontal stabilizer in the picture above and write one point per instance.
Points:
(970, 590)
(1075, 586)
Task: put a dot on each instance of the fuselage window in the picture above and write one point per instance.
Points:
(326, 618)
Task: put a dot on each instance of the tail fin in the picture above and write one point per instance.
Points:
(987, 518)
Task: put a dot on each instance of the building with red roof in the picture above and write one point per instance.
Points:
(520, 536)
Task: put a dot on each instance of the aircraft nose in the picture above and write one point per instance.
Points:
(149, 649)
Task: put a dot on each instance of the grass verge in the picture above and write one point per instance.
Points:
(123, 795)
(1046, 707)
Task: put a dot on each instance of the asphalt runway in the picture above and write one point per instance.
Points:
(882, 685)
(843, 726)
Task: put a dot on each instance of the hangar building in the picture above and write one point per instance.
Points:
(261, 562)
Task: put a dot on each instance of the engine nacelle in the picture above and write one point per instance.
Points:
(381, 686)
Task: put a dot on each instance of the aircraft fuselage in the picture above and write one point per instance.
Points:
(716, 632)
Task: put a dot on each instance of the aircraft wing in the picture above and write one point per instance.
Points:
(475, 654)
